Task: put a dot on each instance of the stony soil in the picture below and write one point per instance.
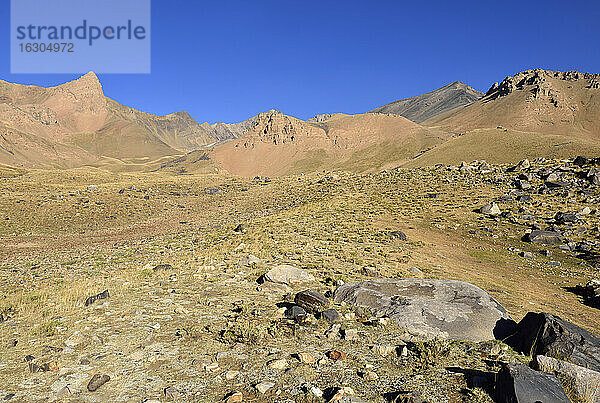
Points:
(203, 327)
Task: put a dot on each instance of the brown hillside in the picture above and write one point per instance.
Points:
(278, 144)
(551, 102)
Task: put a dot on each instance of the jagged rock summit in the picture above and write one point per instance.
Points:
(539, 101)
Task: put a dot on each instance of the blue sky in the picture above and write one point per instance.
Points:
(228, 60)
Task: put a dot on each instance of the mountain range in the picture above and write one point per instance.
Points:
(535, 112)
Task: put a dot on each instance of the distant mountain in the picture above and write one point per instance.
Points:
(426, 106)
(75, 124)
(541, 101)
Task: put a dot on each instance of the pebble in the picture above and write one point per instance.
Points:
(235, 396)
(97, 381)
(337, 355)
(306, 358)
(331, 315)
(351, 334)
(370, 376)
(231, 374)
(280, 364)
(263, 387)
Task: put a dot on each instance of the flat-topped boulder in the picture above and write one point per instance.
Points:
(428, 308)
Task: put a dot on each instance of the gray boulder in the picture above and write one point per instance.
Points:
(286, 274)
(490, 209)
(583, 382)
(545, 237)
(429, 308)
(517, 383)
(545, 334)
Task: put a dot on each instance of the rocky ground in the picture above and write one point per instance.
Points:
(191, 312)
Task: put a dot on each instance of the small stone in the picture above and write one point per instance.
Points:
(103, 295)
(415, 270)
(240, 228)
(280, 364)
(398, 235)
(76, 340)
(163, 267)
(171, 393)
(337, 355)
(369, 271)
(263, 387)
(351, 334)
(231, 374)
(370, 376)
(296, 313)
(286, 274)
(212, 367)
(554, 264)
(527, 255)
(306, 358)
(97, 381)
(331, 315)
(312, 301)
(63, 393)
(491, 209)
(233, 397)
(11, 344)
(383, 349)
(333, 332)
(402, 351)
(316, 391)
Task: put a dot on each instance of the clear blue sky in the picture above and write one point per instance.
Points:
(228, 60)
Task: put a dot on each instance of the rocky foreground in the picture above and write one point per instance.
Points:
(471, 283)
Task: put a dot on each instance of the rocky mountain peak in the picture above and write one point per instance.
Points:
(538, 82)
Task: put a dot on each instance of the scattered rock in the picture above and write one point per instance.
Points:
(296, 313)
(370, 376)
(545, 334)
(306, 358)
(517, 383)
(97, 381)
(331, 315)
(312, 301)
(399, 235)
(351, 334)
(249, 260)
(337, 355)
(290, 275)
(431, 308)
(234, 397)
(163, 267)
(544, 237)
(490, 209)
(264, 387)
(590, 292)
(279, 364)
(369, 271)
(527, 255)
(90, 300)
(240, 228)
(583, 382)
(212, 191)
(171, 393)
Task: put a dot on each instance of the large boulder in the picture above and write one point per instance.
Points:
(517, 383)
(545, 334)
(583, 383)
(545, 237)
(429, 308)
(286, 274)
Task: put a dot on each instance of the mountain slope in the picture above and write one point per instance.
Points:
(426, 106)
(552, 102)
(75, 124)
(277, 144)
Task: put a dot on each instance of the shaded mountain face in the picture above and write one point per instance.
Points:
(550, 102)
(75, 124)
(426, 106)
